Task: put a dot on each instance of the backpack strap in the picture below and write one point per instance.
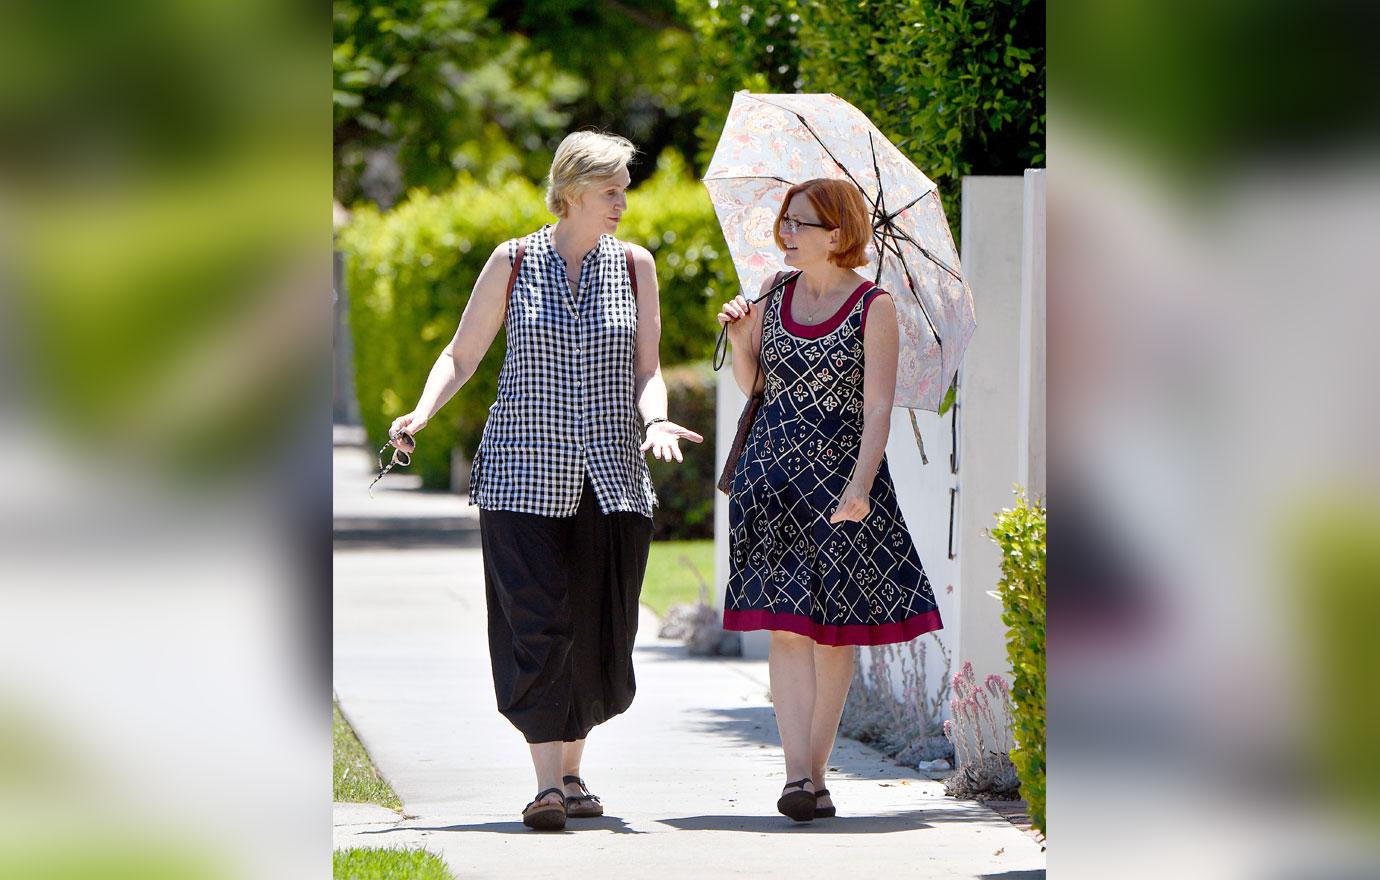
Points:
(632, 272)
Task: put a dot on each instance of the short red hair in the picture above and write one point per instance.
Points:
(839, 204)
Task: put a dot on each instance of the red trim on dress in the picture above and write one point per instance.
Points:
(867, 304)
(825, 634)
(815, 331)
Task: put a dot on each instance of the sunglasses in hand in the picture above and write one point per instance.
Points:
(402, 444)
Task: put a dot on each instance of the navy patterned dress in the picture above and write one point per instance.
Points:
(852, 583)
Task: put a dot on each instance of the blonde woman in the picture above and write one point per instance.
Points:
(560, 475)
(819, 552)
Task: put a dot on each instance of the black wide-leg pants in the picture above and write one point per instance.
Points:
(562, 603)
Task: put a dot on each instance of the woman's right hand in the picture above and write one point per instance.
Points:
(734, 316)
(411, 423)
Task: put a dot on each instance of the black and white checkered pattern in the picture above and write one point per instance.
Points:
(566, 391)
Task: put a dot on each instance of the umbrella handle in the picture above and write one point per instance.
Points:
(721, 346)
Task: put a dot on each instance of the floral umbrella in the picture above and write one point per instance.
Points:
(771, 142)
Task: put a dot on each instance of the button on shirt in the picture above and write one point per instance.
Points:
(565, 404)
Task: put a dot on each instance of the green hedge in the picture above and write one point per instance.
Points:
(410, 270)
(1020, 532)
(685, 489)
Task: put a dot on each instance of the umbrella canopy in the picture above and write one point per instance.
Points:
(771, 142)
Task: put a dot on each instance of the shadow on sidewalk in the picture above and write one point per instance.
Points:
(1014, 875)
(888, 823)
(611, 824)
(756, 725)
(381, 535)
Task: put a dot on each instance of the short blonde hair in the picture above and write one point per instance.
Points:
(839, 205)
(582, 159)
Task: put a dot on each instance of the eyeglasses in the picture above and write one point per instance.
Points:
(401, 457)
(792, 225)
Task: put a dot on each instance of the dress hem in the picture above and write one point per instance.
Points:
(834, 635)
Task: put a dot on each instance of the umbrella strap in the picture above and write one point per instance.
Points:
(721, 348)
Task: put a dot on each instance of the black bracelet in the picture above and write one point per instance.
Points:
(654, 421)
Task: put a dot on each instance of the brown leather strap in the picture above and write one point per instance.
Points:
(754, 403)
(512, 276)
(522, 247)
(632, 272)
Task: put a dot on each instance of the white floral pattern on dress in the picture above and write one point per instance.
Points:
(787, 558)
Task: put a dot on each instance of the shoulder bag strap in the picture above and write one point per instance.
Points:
(632, 272)
(513, 275)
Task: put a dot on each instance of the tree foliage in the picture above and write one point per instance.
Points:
(957, 85)
(429, 90)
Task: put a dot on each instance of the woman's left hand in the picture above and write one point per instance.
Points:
(853, 506)
(663, 438)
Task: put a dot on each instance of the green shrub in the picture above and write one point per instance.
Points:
(1020, 532)
(671, 216)
(1331, 553)
(686, 489)
(410, 271)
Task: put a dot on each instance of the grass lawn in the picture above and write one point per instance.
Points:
(354, 778)
(388, 864)
(670, 581)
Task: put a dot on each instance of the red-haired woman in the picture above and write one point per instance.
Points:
(820, 554)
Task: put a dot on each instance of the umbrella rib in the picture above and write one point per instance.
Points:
(880, 206)
(915, 293)
(902, 235)
(906, 237)
(879, 234)
(910, 282)
(749, 177)
(831, 155)
(894, 214)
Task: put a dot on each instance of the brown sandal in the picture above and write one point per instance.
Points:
(581, 806)
(545, 817)
(798, 805)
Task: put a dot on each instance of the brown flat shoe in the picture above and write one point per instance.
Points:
(581, 806)
(798, 805)
(545, 817)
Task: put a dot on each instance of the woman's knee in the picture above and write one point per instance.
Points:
(790, 641)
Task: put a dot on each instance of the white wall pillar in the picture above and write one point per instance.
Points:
(1030, 436)
(990, 397)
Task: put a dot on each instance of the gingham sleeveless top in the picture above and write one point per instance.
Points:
(565, 406)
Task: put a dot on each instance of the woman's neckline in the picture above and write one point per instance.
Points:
(829, 324)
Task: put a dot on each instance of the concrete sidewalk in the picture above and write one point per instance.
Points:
(689, 775)
(400, 513)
